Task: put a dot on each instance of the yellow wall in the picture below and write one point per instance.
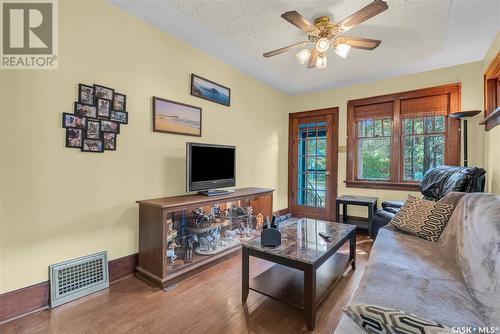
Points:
(60, 203)
(469, 75)
(492, 151)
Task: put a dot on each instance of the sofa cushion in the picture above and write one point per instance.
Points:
(379, 319)
(474, 236)
(420, 277)
(422, 218)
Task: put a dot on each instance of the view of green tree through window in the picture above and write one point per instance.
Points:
(424, 139)
(374, 149)
(394, 139)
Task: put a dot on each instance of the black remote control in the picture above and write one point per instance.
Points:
(325, 236)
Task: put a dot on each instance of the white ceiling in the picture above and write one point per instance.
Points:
(417, 35)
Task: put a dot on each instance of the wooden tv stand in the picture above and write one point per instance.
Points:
(154, 214)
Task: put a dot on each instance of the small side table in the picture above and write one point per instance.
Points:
(369, 202)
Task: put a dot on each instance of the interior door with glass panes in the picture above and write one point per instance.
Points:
(312, 172)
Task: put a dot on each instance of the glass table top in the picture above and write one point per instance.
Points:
(300, 240)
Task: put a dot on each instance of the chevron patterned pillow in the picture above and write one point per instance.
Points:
(423, 218)
(383, 320)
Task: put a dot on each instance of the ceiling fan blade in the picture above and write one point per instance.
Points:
(365, 13)
(299, 21)
(312, 59)
(359, 43)
(284, 49)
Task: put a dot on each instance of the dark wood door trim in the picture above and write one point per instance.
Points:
(332, 167)
(24, 301)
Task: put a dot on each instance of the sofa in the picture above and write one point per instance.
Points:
(455, 281)
(435, 184)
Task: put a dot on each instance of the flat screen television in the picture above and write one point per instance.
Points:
(210, 167)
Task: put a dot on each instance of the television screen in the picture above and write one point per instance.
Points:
(210, 166)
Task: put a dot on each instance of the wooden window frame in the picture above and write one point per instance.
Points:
(492, 94)
(452, 138)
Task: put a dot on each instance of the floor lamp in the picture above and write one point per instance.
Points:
(464, 115)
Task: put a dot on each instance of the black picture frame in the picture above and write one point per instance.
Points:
(197, 92)
(113, 116)
(109, 92)
(105, 122)
(116, 105)
(70, 136)
(81, 106)
(105, 140)
(98, 101)
(84, 99)
(93, 135)
(156, 128)
(68, 115)
(86, 142)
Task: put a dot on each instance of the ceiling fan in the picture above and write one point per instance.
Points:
(324, 34)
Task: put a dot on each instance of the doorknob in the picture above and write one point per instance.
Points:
(327, 172)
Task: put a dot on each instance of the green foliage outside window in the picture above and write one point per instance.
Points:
(374, 149)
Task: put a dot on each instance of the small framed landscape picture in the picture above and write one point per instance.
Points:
(119, 102)
(104, 92)
(103, 107)
(209, 90)
(109, 139)
(119, 116)
(110, 126)
(85, 110)
(174, 117)
(74, 137)
(86, 94)
(93, 129)
(72, 121)
(92, 145)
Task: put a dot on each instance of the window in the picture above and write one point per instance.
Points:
(393, 140)
(374, 149)
(311, 174)
(492, 94)
(423, 145)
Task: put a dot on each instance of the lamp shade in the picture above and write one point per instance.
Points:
(321, 61)
(303, 56)
(342, 50)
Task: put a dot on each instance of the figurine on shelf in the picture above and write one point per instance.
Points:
(205, 244)
(188, 256)
(216, 210)
(216, 237)
(259, 222)
(235, 211)
(242, 230)
(230, 235)
(192, 241)
(201, 219)
(171, 233)
(249, 210)
(171, 251)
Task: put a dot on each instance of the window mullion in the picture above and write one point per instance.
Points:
(396, 146)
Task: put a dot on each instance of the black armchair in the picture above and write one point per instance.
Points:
(436, 183)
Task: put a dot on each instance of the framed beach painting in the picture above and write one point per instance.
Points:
(209, 90)
(174, 117)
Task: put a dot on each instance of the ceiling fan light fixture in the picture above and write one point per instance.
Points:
(322, 44)
(321, 61)
(303, 56)
(342, 49)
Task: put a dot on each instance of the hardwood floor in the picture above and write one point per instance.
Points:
(207, 303)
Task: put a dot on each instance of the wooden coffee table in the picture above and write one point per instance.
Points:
(306, 266)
